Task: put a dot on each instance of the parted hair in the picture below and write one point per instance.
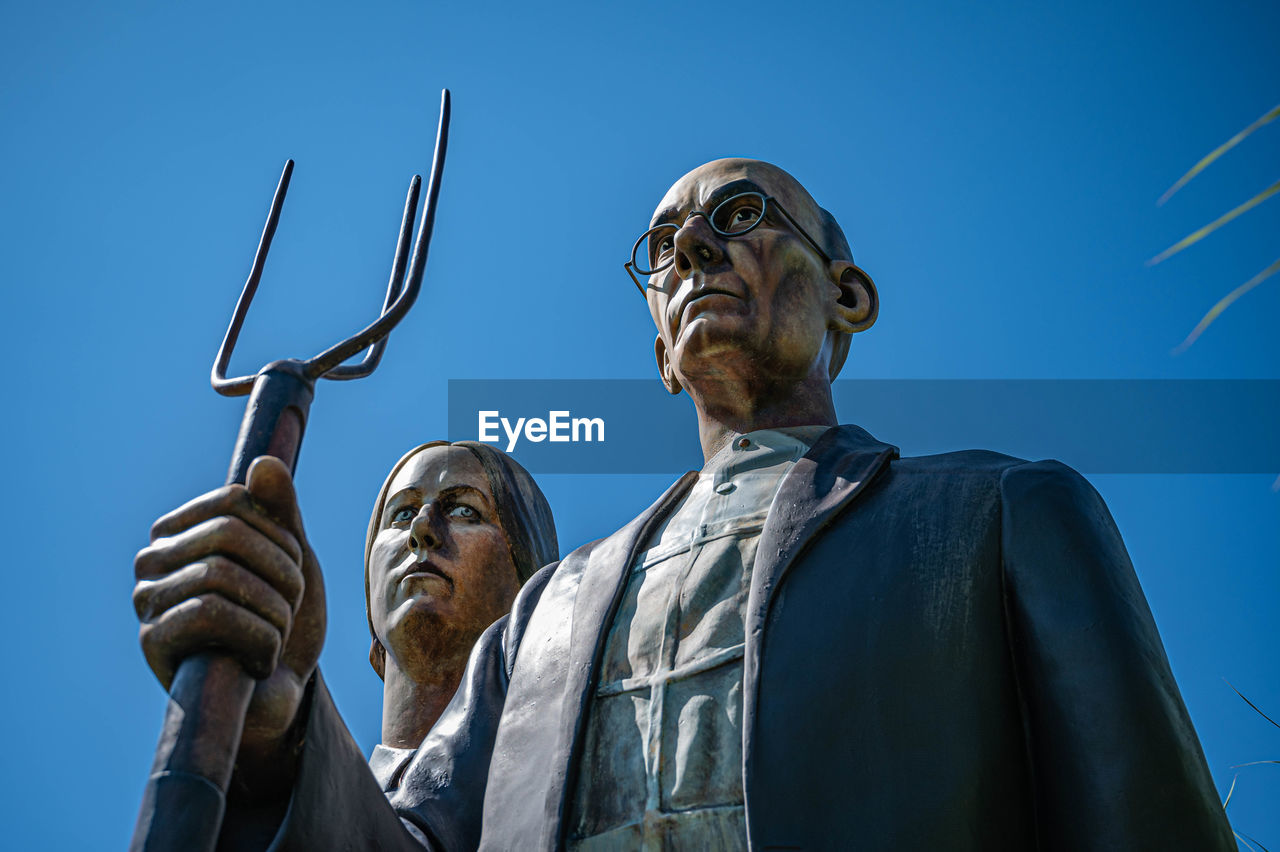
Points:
(523, 511)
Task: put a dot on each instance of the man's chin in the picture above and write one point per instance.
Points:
(710, 332)
(712, 354)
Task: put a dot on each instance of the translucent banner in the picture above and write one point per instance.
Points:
(1096, 426)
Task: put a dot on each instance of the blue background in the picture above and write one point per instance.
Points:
(995, 166)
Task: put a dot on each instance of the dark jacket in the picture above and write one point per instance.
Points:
(946, 652)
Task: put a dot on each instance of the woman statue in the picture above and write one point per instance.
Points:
(456, 530)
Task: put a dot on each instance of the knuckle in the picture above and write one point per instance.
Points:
(142, 596)
(294, 585)
(144, 561)
(206, 611)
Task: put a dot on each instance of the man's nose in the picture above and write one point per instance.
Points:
(697, 246)
(425, 534)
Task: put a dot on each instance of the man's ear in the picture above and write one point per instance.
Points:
(665, 370)
(378, 659)
(858, 305)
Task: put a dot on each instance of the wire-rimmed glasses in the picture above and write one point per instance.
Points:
(735, 216)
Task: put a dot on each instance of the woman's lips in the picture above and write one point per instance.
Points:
(422, 569)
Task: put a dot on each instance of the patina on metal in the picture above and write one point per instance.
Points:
(185, 797)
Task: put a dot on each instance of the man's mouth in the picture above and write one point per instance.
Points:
(695, 295)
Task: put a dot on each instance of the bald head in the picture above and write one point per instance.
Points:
(776, 182)
(709, 184)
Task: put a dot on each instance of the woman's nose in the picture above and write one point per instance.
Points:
(697, 246)
(424, 530)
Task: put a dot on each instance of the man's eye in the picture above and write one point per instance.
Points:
(461, 511)
(743, 217)
(403, 515)
(663, 247)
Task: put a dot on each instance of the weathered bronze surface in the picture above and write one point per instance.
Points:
(210, 691)
(455, 532)
(940, 652)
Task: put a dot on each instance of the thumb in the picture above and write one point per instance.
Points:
(271, 486)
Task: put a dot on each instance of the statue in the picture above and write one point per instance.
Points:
(811, 643)
(456, 530)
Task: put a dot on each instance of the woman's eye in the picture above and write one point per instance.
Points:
(461, 511)
(403, 515)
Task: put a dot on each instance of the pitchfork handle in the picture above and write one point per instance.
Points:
(185, 798)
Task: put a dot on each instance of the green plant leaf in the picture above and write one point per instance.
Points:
(1260, 846)
(1251, 704)
(1196, 236)
(1213, 314)
(1218, 152)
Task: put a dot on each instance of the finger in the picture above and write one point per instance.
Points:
(271, 486)
(229, 500)
(228, 536)
(216, 574)
(306, 636)
(209, 623)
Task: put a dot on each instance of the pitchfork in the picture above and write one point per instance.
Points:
(185, 797)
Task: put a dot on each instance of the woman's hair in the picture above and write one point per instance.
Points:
(523, 512)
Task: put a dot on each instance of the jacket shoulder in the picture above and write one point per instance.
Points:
(980, 463)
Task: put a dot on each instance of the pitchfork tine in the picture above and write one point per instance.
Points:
(243, 384)
(320, 365)
(374, 355)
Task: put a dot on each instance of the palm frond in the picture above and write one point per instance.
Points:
(1196, 236)
(1217, 309)
(1218, 152)
(1260, 846)
(1251, 704)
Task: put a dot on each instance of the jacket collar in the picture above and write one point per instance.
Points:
(834, 471)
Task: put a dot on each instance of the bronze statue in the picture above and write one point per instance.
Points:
(456, 530)
(812, 643)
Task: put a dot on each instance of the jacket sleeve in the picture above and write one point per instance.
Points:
(1115, 761)
(336, 802)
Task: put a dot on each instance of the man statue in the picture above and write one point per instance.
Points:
(811, 643)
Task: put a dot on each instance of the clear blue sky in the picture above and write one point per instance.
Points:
(995, 165)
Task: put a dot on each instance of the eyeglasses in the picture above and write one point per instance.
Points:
(735, 216)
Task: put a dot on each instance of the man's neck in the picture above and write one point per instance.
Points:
(729, 408)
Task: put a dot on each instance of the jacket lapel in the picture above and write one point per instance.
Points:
(834, 471)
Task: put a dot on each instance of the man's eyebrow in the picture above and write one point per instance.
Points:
(728, 190)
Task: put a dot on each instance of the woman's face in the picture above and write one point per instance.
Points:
(440, 569)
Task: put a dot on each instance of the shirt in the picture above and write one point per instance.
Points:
(662, 760)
